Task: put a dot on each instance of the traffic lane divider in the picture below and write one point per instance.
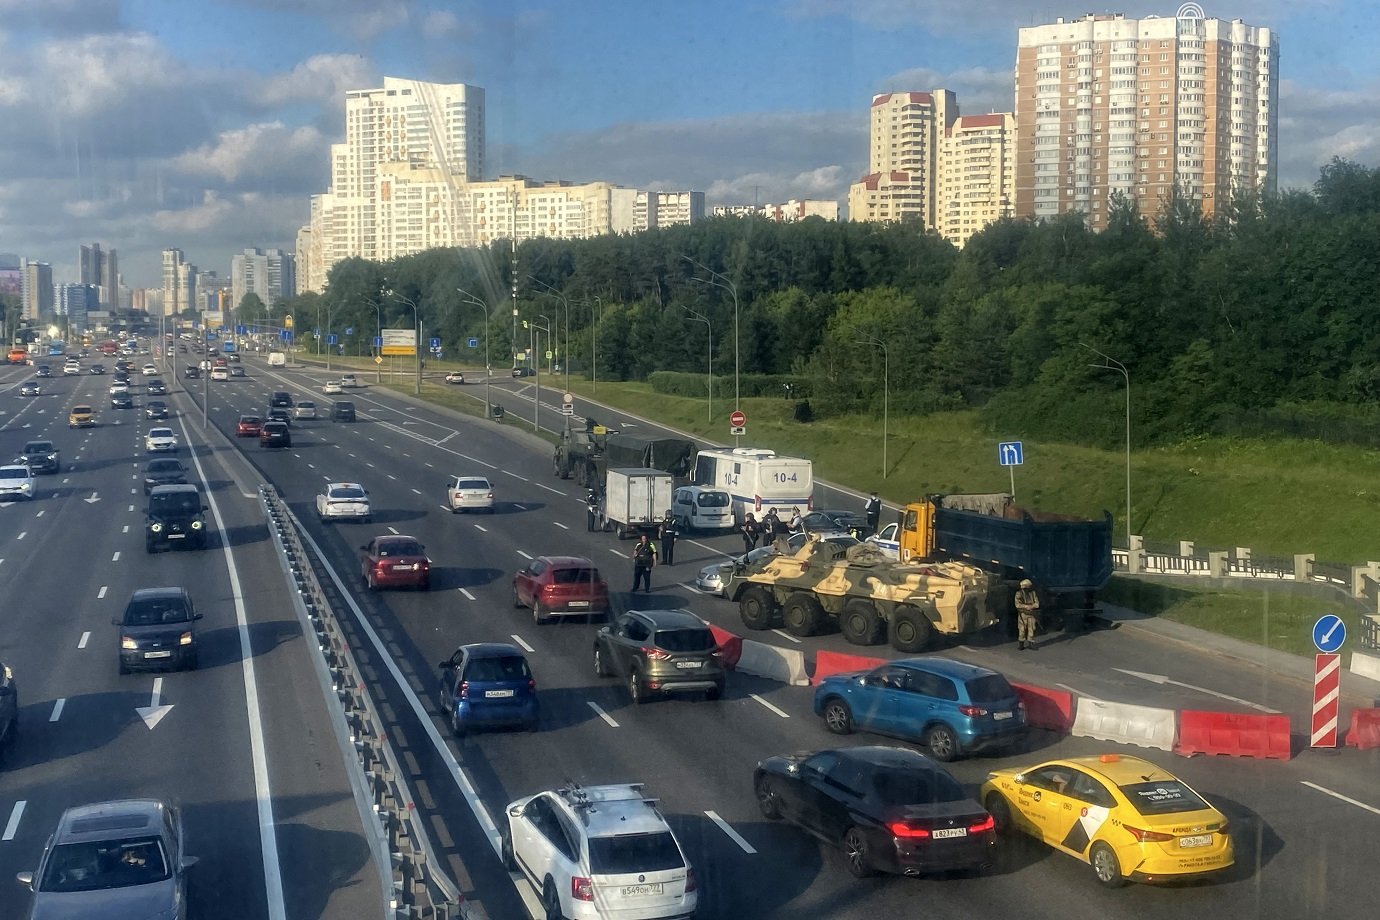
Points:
(1364, 732)
(1236, 734)
(730, 646)
(1123, 723)
(1046, 708)
(828, 663)
(784, 664)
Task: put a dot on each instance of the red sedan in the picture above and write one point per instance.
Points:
(395, 562)
(248, 426)
(561, 586)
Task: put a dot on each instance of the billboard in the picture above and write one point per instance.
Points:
(399, 342)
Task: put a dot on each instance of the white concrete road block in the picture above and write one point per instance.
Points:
(1123, 723)
(784, 664)
(1364, 664)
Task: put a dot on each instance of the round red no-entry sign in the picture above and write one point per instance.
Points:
(737, 419)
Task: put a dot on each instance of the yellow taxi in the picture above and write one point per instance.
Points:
(1125, 817)
(81, 417)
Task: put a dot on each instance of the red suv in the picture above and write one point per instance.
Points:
(561, 585)
(395, 562)
(248, 426)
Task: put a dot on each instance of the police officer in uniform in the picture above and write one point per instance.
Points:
(644, 557)
(1027, 613)
(873, 510)
(668, 533)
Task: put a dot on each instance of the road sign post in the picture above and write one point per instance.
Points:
(1011, 454)
(1327, 679)
(737, 423)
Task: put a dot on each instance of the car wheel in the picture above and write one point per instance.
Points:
(1000, 811)
(551, 901)
(636, 691)
(538, 613)
(424, 584)
(855, 852)
(714, 692)
(193, 661)
(767, 800)
(149, 547)
(838, 718)
(123, 669)
(1106, 868)
(601, 666)
(757, 608)
(941, 743)
(505, 850)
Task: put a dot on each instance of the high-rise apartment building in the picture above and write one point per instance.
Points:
(1142, 107)
(903, 148)
(976, 175)
(267, 273)
(101, 268)
(36, 294)
(74, 302)
(179, 283)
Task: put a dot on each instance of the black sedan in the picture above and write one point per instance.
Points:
(121, 401)
(155, 409)
(834, 521)
(890, 809)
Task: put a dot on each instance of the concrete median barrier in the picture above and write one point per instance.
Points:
(829, 663)
(730, 646)
(1143, 726)
(784, 664)
(1365, 729)
(1048, 709)
(1235, 734)
(1365, 665)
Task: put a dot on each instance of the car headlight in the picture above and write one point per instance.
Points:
(196, 525)
(127, 642)
(185, 638)
(156, 527)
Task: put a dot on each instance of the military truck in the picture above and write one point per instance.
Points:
(872, 597)
(587, 455)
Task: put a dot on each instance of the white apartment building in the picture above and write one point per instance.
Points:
(1106, 104)
(976, 181)
(179, 282)
(903, 149)
(267, 273)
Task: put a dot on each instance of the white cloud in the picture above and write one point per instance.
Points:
(210, 212)
(321, 79)
(442, 24)
(269, 151)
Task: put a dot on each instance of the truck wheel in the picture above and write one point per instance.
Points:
(910, 629)
(861, 624)
(802, 615)
(757, 608)
(620, 531)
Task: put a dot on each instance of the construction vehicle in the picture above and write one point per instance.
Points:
(872, 597)
(587, 455)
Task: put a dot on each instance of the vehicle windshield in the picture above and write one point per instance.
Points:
(625, 854)
(13, 472)
(38, 447)
(685, 639)
(916, 787)
(100, 865)
(1163, 797)
(153, 611)
(178, 502)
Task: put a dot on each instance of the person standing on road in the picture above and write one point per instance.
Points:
(644, 558)
(797, 522)
(873, 510)
(750, 530)
(593, 509)
(668, 533)
(1027, 611)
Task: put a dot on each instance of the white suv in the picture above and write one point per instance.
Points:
(599, 851)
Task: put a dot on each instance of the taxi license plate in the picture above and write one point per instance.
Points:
(579, 603)
(1198, 840)
(1001, 715)
(164, 654)
(497, 693)
(688, 664)
(943, 832)
(641, 891)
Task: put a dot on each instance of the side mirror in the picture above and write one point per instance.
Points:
(189, 861)
(205, 507)
(1019, 778)
(443, 665)
(197, 616)
(26, 879)
(515, 812)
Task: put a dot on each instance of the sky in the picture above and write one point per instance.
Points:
(206, 124)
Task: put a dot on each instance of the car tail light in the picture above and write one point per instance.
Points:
(532, 684)
(904, 830)
(655, 654)
(464, 689)
(581, 889)
(981, 827)
(1144, 836)
(972, 711)
(691, 883)
(1223, 829)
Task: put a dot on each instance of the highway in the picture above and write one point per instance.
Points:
(1303, 851)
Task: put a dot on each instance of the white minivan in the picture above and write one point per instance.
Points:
(701, 508)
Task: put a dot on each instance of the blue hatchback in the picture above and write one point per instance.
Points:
(488, 684)
(952, 708)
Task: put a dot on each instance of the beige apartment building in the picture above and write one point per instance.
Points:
(976, 175)
(1106, 104)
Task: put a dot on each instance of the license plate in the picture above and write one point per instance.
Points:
(1001, 715)
(641, 891)
(944, 832)
(177, 536)
(164, 654)
(579, 603)
(493, 694)
(1198, 840)
(688, 664)
(404, 568)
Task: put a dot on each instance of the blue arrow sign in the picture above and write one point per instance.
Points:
(474, 343)
(378, 341)
(1010, 453)
(239, 330)
(349, 330)
(1329, 633)
(332, 339)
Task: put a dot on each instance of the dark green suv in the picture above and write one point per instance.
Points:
(660, 652)
(175, 516)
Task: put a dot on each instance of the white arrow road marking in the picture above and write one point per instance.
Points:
(1162, 679)
(153, 713)
(95, 498)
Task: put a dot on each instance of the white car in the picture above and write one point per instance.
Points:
(119, 388)
(617, 856)
(348, 381)
(305, 408)
(332, 387)
(455, 377)
(71, 369)
(220, 373)
(160, 440)
(711, 578)
(16, 481)
(150, 371)
(470, 493)
(888, 540)
(343, 500)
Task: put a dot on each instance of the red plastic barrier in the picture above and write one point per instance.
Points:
(1237, 734)
(827, 663)
(1046, 708)
(730, 646)
(1365, 729)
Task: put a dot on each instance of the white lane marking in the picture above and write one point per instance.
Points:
(444, 507)
(1344, 798)
(370, 465)
(85, 638)
(785, 635)
(780, 712)
(58, 706)
(416, 491)
(12, 826)
(618, 552)
(486, 530)
(516, 476)
(732, 834)
(467, 594)
(116, 557)
(1165, 679)
(560, 525)
(1068, 688)
(40, 513)
(131, 507)
(515, 505)
(603, 715)
(101, 593)
(22, 535)
(393, 530)
(549, 489)
(395, 479)
(431, 466)
(125, 529)
(311, 466)
(519, 640)
(522, 554)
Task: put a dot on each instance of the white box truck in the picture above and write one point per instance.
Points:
(277, 359)
(635, 501)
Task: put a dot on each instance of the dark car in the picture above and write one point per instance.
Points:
(175, 516)
(849, 522)
(280, 415)
(951, 707)
(523, 372)
(42, 457)
(43, 370)
(121, 377)
(98, 369)
(394, 562)
(165, 471)
(30, 388)
(9, 707)
(889, 809)
(488, 684)
(191, 372)
(343, 411)
(660, 651)
(280, 399)
(121, 401)
(275, 434)
(157, 387)
(158, 629)
(561, 585)
(155, 409)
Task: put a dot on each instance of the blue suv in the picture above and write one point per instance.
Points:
(488, 683)
(950, 707)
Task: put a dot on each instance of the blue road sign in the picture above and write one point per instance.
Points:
(1329, 633)
(239, 330)
(285, 335)
(474, 343)
(210, 335)
(332, 339)
(349, 330)
(435, 343)
(1010, 453)
(378, 341)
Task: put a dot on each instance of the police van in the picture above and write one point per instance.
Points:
(757, 479)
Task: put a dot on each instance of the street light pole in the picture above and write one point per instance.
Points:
(1112, 364)
(552, 292)
(488, 369)
(699, 317)
(722, 282)
(417, 324)
(594, 342)
(532, 328)
(886, 393)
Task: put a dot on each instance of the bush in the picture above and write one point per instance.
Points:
(678, 383)
(803, 412)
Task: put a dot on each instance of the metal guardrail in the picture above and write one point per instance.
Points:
(419, 888)
(1370, 632)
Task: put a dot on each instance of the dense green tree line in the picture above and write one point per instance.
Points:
(1272, 305)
